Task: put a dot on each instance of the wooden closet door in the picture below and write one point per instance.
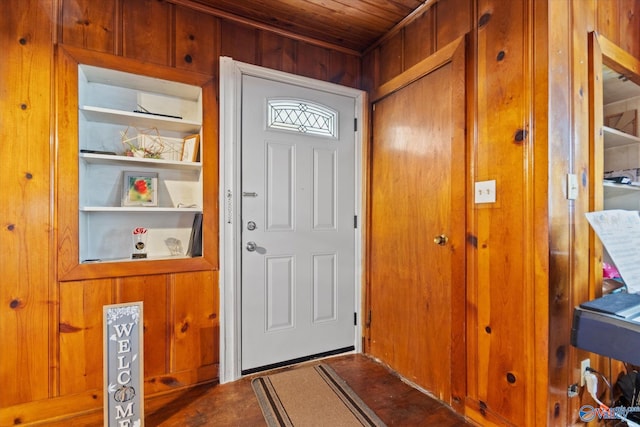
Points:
(417, 234)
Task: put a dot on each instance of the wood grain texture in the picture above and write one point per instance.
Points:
(354, 24)
(90, 27)
(196, 36)
(239, 42)
(40, 315)
(147, 31)
(417, 192)
(26, 239)
(453, 18)
(153, 292)
(81, 334)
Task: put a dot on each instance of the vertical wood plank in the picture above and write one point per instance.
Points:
(560, 229)
(277, 52)
(312, 61)
(152, 291)
(391, 57)
(87, 26)
(147, 30)
(26, 261)
(196, 41)
(370, 78)
(502, 116)
(629, 31)
(81, 334)
(582, 289)
(453, 18)
(419, 39)
(608, 19)
(238, 42)
(344, 69)
(196, 323)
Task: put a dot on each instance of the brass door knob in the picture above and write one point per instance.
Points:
(440, 240)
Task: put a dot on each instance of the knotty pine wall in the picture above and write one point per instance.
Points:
(51, 362)
(528, 120)
(528, 254)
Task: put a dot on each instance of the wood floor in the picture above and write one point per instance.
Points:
(234, 404)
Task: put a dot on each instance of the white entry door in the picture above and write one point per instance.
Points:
(298, 236)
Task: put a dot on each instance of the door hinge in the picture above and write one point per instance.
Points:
(355, 125)
(369, 319)
(355, 221)
(355, 319)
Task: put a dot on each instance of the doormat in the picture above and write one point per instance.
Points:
(311, 396)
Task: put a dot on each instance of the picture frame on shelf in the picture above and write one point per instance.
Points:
(140, 189)
(190, 148)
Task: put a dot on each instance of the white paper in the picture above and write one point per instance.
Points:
(619, 232)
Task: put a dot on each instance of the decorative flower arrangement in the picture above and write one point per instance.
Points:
(147, 143)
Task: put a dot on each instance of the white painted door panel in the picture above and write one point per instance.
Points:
(298, 185)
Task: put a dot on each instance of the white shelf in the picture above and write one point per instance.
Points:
(126, 118)
(613, 189)
(152, 258)
(145, 209)
(106, 103)
(109, 159)
(615, 138)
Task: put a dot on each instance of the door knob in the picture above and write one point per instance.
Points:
(441, 240)
(251, 246)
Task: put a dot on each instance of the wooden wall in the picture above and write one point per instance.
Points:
(570, 280)
(51, 362)
(528, 255)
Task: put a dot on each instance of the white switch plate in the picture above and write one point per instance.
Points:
(485, 191)
(572, 186)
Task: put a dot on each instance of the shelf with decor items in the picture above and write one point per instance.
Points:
(621, 145)
(136, 168)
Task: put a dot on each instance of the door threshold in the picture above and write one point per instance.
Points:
(298, 360)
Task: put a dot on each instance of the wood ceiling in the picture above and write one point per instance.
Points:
(351, 24)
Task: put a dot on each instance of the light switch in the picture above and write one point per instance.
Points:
(572, 186)
(485, 191)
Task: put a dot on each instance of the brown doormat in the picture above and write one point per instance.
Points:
(311, 396)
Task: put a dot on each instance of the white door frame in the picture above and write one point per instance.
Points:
(231, 73)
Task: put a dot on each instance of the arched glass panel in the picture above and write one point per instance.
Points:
(303, 117)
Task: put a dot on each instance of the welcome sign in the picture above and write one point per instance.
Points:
(123, 365)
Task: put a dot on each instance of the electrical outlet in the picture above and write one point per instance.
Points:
(586, 363)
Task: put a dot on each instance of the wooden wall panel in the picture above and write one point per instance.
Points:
(453, 18)
(90, 27)
(619, 22)
(630, 26)
(239, 42)
(504, 292)
(419, 38)
(153, 292)
(277, 52)
(27, 27)
(561, 222)
(391, 57)
(81, 334)
(608, 19)
(147, 30)
(195, 40)
(344, 69)
(312, 61)
(195, 330)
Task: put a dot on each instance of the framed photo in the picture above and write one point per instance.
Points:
(190, 148)
(140, 189)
